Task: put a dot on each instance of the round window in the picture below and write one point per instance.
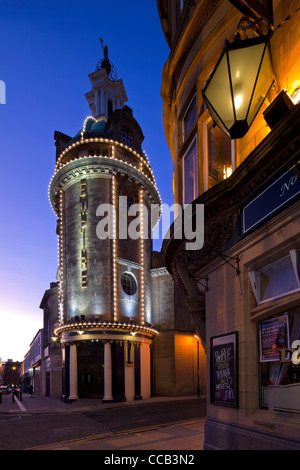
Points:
(128, 284)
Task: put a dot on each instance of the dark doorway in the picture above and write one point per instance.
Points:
(48, 384)
(90, 356)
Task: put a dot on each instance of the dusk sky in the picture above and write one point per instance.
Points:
(47, 50)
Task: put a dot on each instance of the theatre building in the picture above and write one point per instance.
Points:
(101, 192)
(231, 89)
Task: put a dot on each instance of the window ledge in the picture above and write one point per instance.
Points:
(268, 418)
(275, 306)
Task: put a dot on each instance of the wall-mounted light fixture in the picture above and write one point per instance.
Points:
(239, 84)
(279, 108)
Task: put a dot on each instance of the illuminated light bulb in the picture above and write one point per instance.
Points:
(238, 101)
(296, 93)
(227, 172)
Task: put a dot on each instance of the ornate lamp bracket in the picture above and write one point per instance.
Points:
(249, 27)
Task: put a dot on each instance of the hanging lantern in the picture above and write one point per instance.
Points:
(239, 84)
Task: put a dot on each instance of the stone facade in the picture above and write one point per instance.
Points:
(176, 363)
(227, 283)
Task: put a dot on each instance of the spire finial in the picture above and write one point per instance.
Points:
(105, 50)
(105, 63)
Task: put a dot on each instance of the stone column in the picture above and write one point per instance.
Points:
(137, 372)
(73, 373)
(107, 372)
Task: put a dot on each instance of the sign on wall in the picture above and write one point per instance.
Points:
(273, 336)
(224, 364)
(273, 199)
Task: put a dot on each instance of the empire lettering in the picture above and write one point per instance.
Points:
(83, 215)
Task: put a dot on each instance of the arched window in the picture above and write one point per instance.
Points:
(126, 137)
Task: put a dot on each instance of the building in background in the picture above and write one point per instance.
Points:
(178, 355)
(51, 357)
(118, 317)
(26, 375)
(243, 285)
(35, 361)
(10, 373)
(1, 372)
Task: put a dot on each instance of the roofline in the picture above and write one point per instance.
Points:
(162, 6)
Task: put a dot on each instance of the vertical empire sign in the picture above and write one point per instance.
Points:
(83, 214)
(223, 373)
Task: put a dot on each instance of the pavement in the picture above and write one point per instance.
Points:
(185, 435)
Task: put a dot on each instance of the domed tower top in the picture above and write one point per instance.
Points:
(108, 94)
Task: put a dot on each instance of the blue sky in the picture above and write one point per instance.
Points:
(47, 50)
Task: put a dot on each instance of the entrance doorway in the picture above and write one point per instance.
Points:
(90, 357)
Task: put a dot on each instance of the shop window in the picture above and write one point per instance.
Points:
(190, 174)
(279, 366)
(219, 151)
(277, 279)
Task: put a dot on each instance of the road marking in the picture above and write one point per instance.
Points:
(114, 434)
(20, 405)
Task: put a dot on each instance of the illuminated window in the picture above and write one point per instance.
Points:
(126, 137)
(190, 172)
(219, 151)
(128, 283)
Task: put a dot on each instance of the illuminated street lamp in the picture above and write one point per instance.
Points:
(239, 84)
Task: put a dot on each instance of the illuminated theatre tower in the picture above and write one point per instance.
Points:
(104, 315)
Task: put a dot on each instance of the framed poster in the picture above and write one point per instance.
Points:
(273, 335)
(223, 372)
